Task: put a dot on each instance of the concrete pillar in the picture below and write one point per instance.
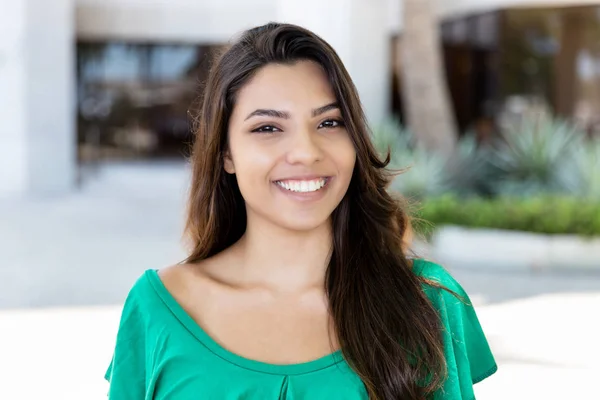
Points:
(359, 31)
(37, 133)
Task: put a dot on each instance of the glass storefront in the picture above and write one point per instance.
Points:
(133, 99)
(509, 64)
(470, 54)
(551, 63)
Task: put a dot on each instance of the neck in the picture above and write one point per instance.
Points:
(283, 259)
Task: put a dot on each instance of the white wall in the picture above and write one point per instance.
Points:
(12, 99)
(369, 63)
(357, 31)
(37, 137)
(208, 21)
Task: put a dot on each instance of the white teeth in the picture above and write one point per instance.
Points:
(303, 186)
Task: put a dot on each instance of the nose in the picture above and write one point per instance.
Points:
(305, 148)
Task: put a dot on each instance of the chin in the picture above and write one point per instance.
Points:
(303, 225)
(291, 218)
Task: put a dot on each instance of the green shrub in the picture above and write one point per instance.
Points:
(531, 157)
(542, 214)
(390, 135)
(424, 173)
(583, 173)
(469, 171)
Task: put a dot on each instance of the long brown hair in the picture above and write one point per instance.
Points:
(388, 330)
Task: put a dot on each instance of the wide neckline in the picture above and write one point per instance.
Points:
(193, 327)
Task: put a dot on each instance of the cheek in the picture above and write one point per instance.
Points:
(252, 165)
(345, 157)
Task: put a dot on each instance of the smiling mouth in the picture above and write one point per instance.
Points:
(303, 186)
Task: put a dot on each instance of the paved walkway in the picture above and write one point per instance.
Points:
(87, 248)
(69, 262)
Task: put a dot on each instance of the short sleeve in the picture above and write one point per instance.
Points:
(126, 370)
(469, 358)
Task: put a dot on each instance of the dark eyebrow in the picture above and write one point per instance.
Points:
(324, 109)
(285, 115)
(268, 113)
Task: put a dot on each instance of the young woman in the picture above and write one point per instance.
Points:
(296, 286)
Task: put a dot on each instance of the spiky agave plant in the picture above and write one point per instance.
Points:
(582, 174)
(423, 172)
(469, 171)
(529, 158)
(390, 135)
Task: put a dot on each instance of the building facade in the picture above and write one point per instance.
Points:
(524, 60)
(85, 80)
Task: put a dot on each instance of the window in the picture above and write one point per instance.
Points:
(133, 99)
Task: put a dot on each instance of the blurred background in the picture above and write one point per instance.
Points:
(492, 105)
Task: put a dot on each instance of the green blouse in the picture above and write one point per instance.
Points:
(161, 353)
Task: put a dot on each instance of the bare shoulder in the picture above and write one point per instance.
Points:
(202, 276)
(177, 277)
(188, 286)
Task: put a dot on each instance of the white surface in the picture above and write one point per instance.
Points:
(207, 21)
(516, 250)
(86, 248)
(546, 347)
(56, 354)
(13, 172)
(356, 30)
(36, 97)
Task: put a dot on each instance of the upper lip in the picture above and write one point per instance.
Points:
(302, 178)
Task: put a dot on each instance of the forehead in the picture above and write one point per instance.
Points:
(279, 86)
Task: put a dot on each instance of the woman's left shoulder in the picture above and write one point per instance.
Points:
(436, 277)
(468, 354)
(445, 292)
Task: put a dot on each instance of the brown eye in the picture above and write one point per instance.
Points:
(331, 123)
(266, 129)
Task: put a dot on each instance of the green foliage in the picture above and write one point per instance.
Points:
(583, 172)
(390, 135)
(530, 158)
(540, 214)
(469, 171)
(542, 176)
(424, 173)
(533, 156)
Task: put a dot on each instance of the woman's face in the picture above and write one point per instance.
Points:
(288, 146)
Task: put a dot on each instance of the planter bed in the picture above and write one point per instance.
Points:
(513, 250)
